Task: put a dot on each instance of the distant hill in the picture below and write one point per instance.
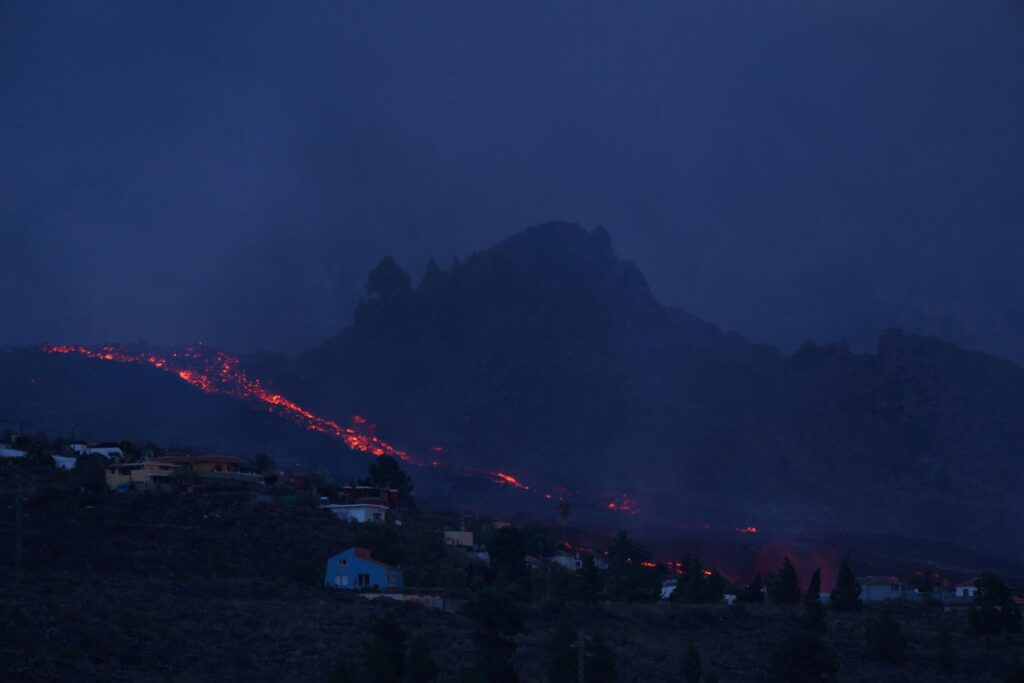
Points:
(549, 354)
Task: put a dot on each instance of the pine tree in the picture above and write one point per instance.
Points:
(628, 579)
(994, 610)
(884, 640)
(598, 660)
(813, 593)
(689, 666)
(385, 472)
(384, 651)
(562, 658)
(420, 666)
(846, 595)
(786, 589)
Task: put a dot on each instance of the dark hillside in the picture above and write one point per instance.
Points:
(549, 354)
(217, 588)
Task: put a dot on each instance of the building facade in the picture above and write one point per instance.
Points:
(355, 569)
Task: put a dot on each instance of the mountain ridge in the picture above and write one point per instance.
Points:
(549, 357)
(549, 353)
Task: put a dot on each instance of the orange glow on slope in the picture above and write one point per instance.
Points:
(623, 504)
(215, 372)
(502, 478)
(748, 530)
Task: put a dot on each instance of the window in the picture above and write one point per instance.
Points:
(343, 580)
(343, 562)
(363, 580)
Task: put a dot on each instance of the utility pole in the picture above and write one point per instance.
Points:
(579, 658)
(19, 534)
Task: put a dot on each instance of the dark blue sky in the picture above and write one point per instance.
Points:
(786, 168)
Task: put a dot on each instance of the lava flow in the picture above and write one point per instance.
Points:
(215, 372)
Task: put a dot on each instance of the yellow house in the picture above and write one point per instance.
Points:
(145, 475)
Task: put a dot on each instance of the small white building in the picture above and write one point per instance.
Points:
(883, 588)
(967, 589)
(107, 449)
(570, 560)
(459, 539)
(65, 462)
(6, 451)
(360, 513)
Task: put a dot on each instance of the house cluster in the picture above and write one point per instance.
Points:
(163, 472)
(953, 595)
(68, 459)
(878, 588)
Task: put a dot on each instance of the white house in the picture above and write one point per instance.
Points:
(65, 462)
(967, 589)
(107, 449)
(359, 513)
(883, 588)
(7, 452)
(570, 560)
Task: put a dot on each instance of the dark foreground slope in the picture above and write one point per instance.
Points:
(550, 354)
(216, 588)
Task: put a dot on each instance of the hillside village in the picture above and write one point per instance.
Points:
(439, 595)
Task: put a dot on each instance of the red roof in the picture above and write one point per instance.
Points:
(969, 583)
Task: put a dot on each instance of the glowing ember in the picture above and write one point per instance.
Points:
(623, 504)
(503, 478)
(748, 530)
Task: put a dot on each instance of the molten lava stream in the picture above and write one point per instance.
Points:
(215, 372)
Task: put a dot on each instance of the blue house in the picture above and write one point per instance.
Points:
(355, 569)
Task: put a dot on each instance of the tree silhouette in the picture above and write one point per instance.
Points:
(786, 588)
(385, 472)
(846, 595)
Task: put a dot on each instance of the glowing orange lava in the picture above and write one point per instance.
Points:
(216, 372)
